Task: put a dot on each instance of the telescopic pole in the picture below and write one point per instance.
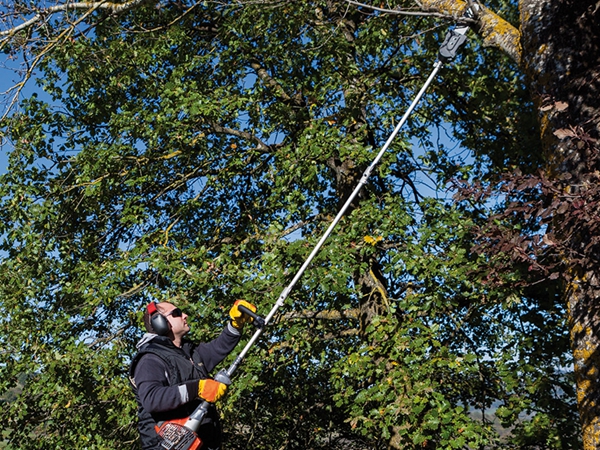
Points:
(448, 49)
(454, 39)
(338, 217)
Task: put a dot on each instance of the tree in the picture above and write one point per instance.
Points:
(197, 150)
(560, 61)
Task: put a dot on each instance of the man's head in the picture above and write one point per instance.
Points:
(166, 319)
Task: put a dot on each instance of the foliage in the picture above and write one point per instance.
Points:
(196, 152)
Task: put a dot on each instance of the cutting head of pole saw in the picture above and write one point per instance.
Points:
(455, 38)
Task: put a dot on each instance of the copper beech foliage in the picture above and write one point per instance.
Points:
(546, 223)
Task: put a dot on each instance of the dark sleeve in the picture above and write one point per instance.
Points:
(154, 392)
(212, 353)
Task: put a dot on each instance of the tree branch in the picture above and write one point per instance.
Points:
(495, 31)
(262, 146)
(44, 13)
(402, 12)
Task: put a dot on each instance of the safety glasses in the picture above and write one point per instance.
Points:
(175, 313)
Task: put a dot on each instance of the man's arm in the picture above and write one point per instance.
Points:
(209, 354)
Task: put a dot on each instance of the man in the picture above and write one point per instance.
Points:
(170, 375)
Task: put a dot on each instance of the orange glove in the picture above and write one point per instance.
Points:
(211, 390)
(238, 318)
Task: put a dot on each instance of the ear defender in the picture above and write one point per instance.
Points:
(159, 323)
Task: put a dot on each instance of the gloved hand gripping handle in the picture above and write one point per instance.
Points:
(258, 321)
(193, 422)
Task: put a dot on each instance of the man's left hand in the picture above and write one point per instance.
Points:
(238, 318)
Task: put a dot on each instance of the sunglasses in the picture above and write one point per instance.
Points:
(175, 313)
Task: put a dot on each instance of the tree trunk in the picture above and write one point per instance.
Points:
(561, 59)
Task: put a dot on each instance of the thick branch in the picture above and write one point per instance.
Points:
(495, 31)
(272, 83)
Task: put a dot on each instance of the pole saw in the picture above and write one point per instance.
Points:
(180, 434)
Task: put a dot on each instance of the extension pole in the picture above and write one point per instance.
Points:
(448, 50)
(362, 182)
(454, 39)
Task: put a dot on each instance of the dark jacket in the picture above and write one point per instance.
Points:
(165, 380)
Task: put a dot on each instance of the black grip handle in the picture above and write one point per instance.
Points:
(258, 322)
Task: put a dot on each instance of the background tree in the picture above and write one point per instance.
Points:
(195, 151)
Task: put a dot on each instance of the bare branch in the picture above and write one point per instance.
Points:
(92, 6)
(261, 146)
(402, 12)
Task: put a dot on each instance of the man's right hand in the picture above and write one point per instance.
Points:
(211, 390)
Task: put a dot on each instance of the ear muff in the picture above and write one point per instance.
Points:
(159, 323)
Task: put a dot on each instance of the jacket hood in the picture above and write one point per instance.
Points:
(146, 338)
